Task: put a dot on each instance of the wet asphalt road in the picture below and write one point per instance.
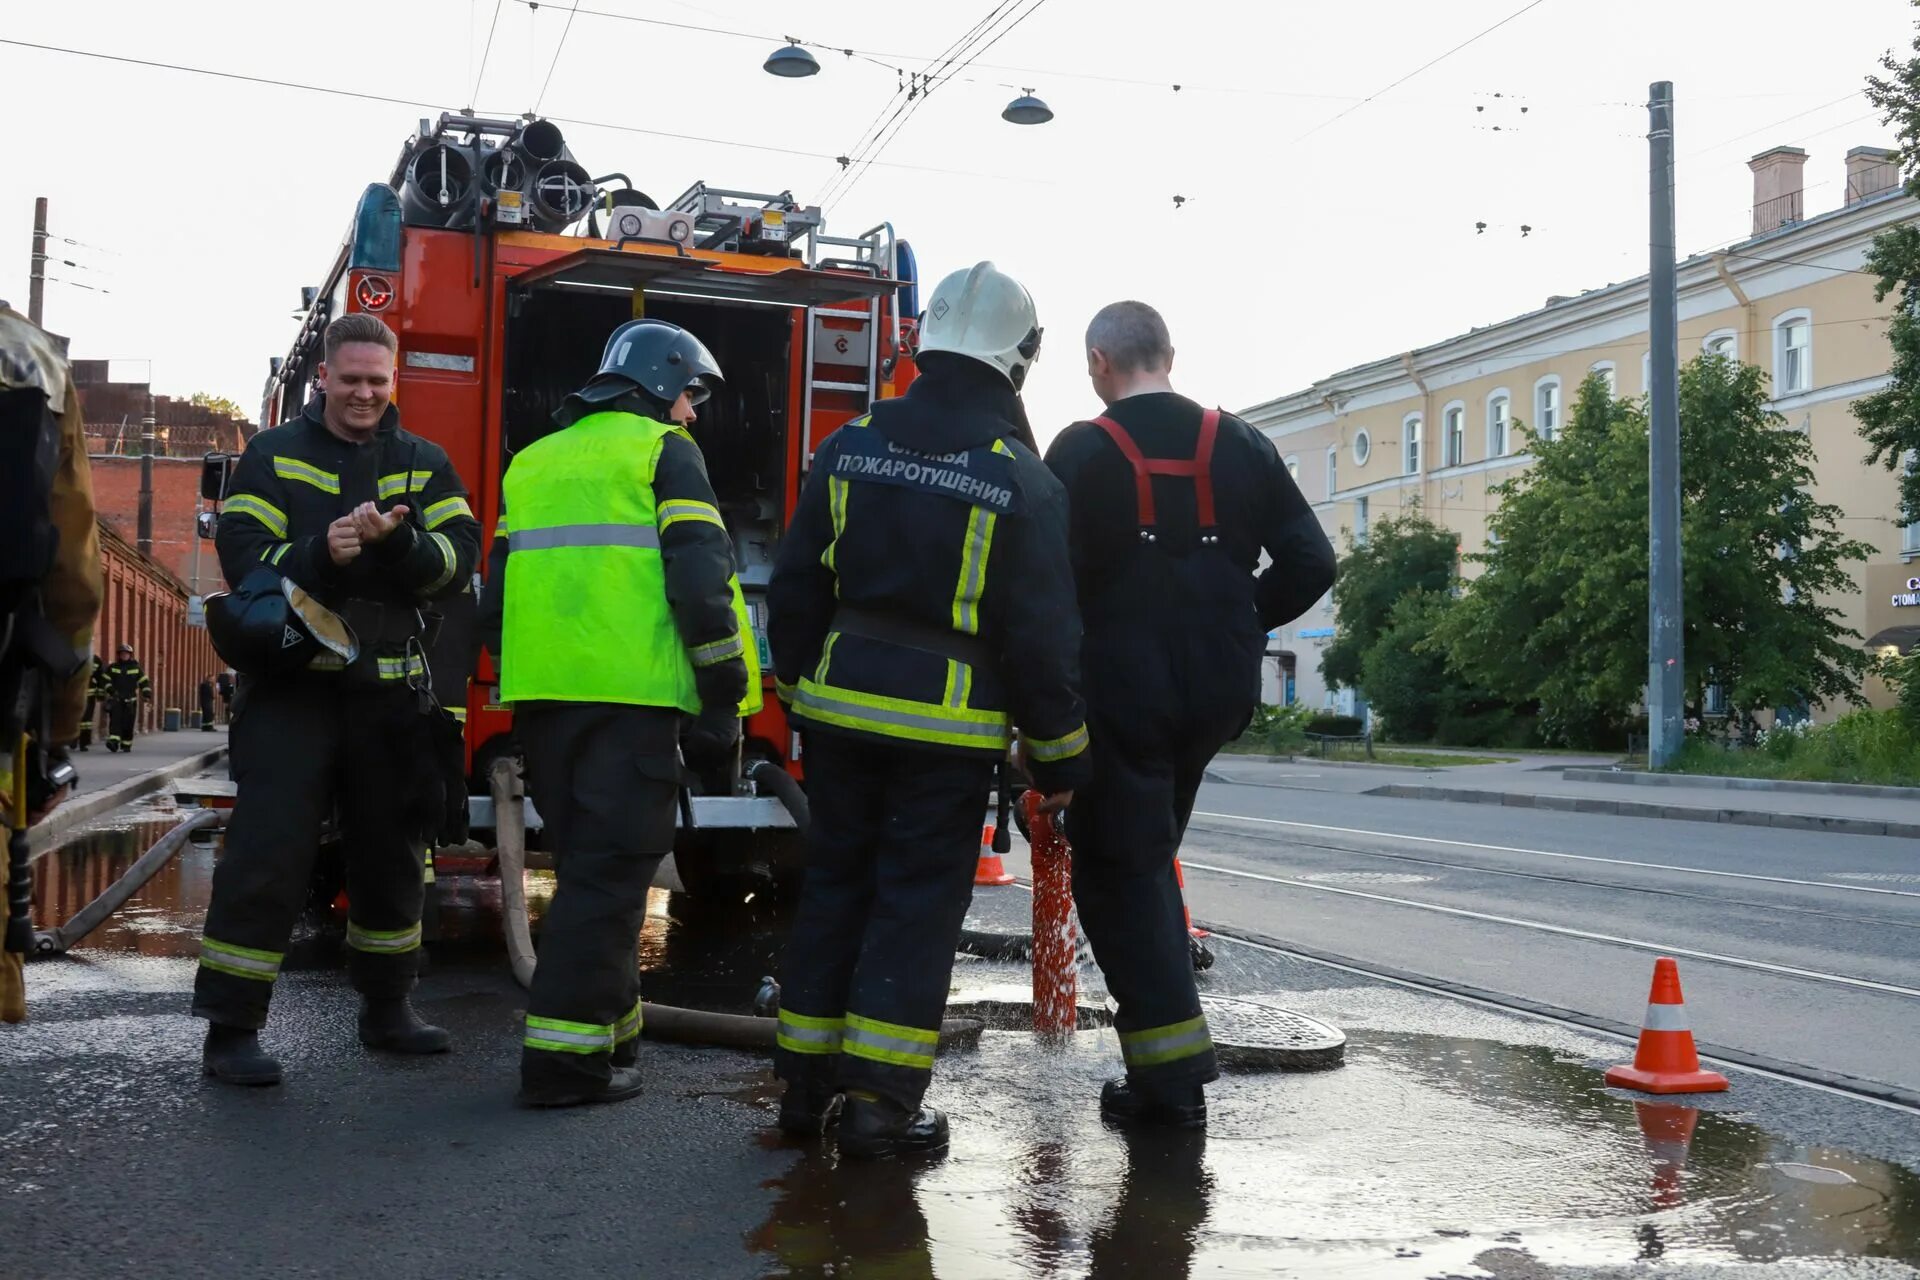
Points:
(1457, 1140)
(1799, 948)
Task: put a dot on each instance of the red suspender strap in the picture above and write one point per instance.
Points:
(1199, 469)
(1142, 469)
(1203, 467)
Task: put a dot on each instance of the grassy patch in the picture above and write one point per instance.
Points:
(1432, 759)
(1875, 748)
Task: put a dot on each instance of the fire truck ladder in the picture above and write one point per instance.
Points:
(842, 343)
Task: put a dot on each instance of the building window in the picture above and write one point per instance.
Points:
(1360, 522)
(1293, 470)
(1454, 441)
(1362, 447)
(1910, 533)
(1546, 408)
(1333, 469)
(1716, 700)
(1498, 412)
(1792, 353)
(1724, 343)
(1609, 377)
(1410, 444)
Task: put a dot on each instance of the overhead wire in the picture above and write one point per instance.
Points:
(564, 33)
(474, 96)
(417, 104)
(1425, 66)
(969, 53)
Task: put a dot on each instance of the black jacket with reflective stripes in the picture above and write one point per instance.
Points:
(295, 480)
(124, 681)
(922, 593)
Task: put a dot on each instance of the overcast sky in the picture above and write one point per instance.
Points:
(1308, 242)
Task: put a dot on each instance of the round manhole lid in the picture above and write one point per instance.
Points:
(1365, 877)
(1250, 1036)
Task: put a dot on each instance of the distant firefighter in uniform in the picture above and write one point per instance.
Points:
(96, 690)
(341, 514)
(1173, 506)
(921, 608)
(127, 687)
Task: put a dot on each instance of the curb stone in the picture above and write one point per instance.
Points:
(90, 806)
(1672, 812)
(1632, 778)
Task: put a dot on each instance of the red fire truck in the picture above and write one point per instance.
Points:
(503, 264)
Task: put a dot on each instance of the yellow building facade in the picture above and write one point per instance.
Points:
(1440, 426)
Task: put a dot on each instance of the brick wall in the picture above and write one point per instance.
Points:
(176, 495)
(146, 607)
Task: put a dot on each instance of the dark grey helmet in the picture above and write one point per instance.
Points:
(268, 626)
(659, 358)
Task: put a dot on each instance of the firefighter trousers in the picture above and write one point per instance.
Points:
(120, 715)
(85, 739)
(891, 848)
(605, 779)
(1126, 827)
(302, 750)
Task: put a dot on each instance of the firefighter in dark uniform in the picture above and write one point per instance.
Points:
(373, 523)
(921, 607)
(127, 687)
(612, 603)
(96, 690)
(1172, 507)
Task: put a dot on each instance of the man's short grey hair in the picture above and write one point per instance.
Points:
(1132, 335)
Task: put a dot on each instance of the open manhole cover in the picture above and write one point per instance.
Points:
(1249, 1036)
(1365, 877)
(1878, 877)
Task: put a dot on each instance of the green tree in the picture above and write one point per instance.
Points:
(1890, 418)
(1401, 556)
(219, 404)
(1560, 613)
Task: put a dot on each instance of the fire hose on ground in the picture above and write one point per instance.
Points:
(658, 1021)
(53, 942)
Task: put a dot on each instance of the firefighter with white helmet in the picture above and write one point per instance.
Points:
(922, 607)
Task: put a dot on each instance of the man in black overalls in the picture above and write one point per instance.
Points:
(1172, 506)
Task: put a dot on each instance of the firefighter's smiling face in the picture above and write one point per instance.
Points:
(358, 383)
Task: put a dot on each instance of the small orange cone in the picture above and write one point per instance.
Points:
(1666, 1061)
(990, 869)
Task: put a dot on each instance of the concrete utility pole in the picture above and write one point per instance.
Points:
(1666, 685)
(37, 278)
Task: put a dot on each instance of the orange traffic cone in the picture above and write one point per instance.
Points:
(990, 869)
(1666, 1061)
(1667, 1128)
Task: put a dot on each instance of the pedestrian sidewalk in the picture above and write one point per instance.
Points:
(110, 779)
(1556, 783)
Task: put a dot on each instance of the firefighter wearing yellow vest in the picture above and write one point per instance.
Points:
(613, 606)
(921, 607)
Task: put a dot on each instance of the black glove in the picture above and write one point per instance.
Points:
(710, 740)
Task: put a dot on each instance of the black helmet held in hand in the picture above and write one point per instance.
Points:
(269, 626)
(660, 359)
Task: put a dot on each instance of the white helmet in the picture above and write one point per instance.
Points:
(986, 315)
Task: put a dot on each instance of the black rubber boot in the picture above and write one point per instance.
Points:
(392, 1025)
(872, 1127)
(624, 1084)
(234, 1055)
(1185, 1108)
(806, 1112)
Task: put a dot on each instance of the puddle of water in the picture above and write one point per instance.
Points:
(1425, 1156)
